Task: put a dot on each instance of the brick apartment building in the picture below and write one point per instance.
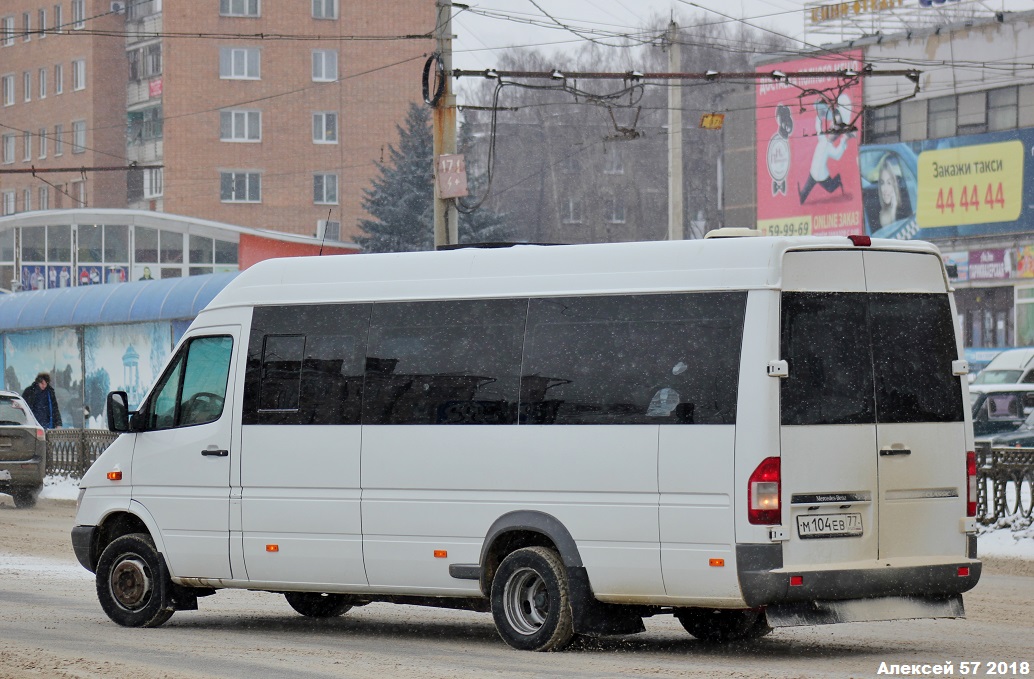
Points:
(262, 114)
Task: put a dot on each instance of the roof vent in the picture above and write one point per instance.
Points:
(731, 232)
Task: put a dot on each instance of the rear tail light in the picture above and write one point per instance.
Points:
(41, 434)
(763, 493)
(971, 483)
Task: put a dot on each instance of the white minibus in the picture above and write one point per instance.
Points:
(746, 433)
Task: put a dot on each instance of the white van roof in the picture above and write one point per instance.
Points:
(1011, 359)
(712, 264)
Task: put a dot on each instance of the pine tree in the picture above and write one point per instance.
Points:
(401, 200)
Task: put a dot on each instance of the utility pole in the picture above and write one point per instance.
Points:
(676, 230)
(446, 218)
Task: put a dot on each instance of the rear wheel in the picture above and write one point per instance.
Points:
(531, 600)
(720, 626)
(131, 585)
(25, 497)
(317, 604)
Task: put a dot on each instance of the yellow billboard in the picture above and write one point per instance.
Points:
(976, 184)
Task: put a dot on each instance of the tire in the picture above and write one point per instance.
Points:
(318, 605)
(531, 601)
(132, 586)
(720, 626)
(25, 498)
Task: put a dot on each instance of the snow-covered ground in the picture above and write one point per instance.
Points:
(1009, 541)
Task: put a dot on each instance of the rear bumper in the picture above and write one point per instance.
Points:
(764, 581)
(24, 473)
(82, 545)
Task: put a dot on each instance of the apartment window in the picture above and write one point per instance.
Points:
(616, 209)
(79, 136)
(27, 85)
(572, 211)
(8, 88)
(324, 189)
(153, 60)
(324, 9)
(8, 203)
(79, 74)
(971, 112)
(59, 140)
(58, 19)
(328, 230)
(613, 162)
(941, 117)
(41, 20)
(26, 26)
(240, 125)
(239, 63)
(239, 8)
(240, 187)
(42, 142)
(78, 15)
(134, 65)
(44, 198)
(59, 78)
(1002, 108)
(324, 65)
(324, 128)
(7, 28)
(883, 125)
(43, 83)
(154, 180)
(26, 200)
(26, 146)
(145, 124)
(138, 9)
(8, 149)
(79, 193)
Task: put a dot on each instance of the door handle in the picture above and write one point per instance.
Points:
(215, 453)
(894, 451)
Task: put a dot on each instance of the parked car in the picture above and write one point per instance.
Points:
(999, 408)
(1012, 366)
(23, 450)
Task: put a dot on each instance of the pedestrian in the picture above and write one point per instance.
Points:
(43, 402)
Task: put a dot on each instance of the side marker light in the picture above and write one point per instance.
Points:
(716, 563)
(441, 554)
(115, 475)
(796, 580)
(272, 548)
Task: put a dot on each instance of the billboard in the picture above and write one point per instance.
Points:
(948, 188)
(807, 170)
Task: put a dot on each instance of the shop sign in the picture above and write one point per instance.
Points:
(957, 264)
(989, 264)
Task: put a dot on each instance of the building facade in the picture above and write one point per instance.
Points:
(940, 156)
(262, 114)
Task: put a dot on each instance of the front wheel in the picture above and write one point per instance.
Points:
(531, 601)
(720, 626)
(131, 585)
(318, 605)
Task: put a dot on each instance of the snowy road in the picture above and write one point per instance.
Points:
(52, 626)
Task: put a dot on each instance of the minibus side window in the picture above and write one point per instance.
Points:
(444, 362)
(913, 342)
(305, 364)
(633, 359)
(825, 343)
(193, 389)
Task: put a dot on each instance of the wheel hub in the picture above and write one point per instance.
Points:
(130, 583)
(526, 601)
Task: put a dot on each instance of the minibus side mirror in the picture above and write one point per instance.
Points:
(118, 411)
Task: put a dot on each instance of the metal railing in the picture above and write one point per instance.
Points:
(72, 451)
(1005, 483)
(1005, 476)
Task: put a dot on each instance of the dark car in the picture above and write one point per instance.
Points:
(23, 450)
(1000, 408)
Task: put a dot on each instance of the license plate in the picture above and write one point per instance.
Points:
(813, 526)
(5, 475)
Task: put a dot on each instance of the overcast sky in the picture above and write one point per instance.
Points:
(525, 23)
